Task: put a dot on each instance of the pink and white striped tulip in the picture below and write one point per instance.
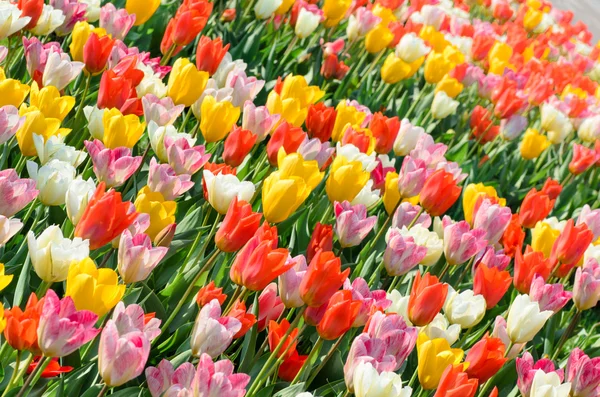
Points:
(583, 373)
(289, 282)
(212, 334)
(183, 158)
(591, 218)
(113, 166)
(163, 179)
(371, 300)
(62, 328)
(244, 88)
(270, 306)
(15, 193)
(492, 218)
(116, 22)
(314, 149)
(8, 228)
(412, 176)
(162, 111)
(549, 296)
(526, 369)
(400, 339)
(406, 213)
(493, 258)
(586, 289)
(137, 258)
(258, 120)
(401, 254)
(365, 348)
(10, 122)
(60, 70)
(74, 11)
(352, 224)
(461, 243)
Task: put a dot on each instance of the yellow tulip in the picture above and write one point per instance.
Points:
(143, 9)
(162, 212)
(186, 83)
(346, 114)
(391, 195)
(5, 279)
(293, 165)
(436, 67)
(450, 86)
(346, 179)
(386, 14)
(335, 10)
(49, 101)
(120, 130)
(284, 7)
(394, 69)
(569, 89)
(36, 123)
(473, 192)
(543, 237)
(289, 109)
(498, 67)
(500, 51)
(217, 118)
(79, 36)
(533, 144)
(93, 289)
(434, 355)
(415, 66)
(296, 87)
(378, 38)
(293, 100)
(2, 319)
(453, 56)
(532, 19)
(436, 40)
(282, 196)
(12, 92)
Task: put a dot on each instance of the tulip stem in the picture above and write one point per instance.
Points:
(323, 362)
(34, 375)
(15, 372)
(103, 391)
(444, 271)
(88, 80)
(185, 120)
(413, 377)
(315, 350)
(165, 59)
(567, 334)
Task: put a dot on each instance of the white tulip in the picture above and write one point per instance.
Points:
(525, 319)
(441, 328)
(411, 47)
(55, 148)
(428, 239)
(433, 16)
(151, 83)
(443, 106)
(94, 121)
(60, 70)
(367, 196)
(352, 153)
(92, 11)
(8, 228)
(223, 188)
(50, 19)
(369, 383)
(52, 180)
(265, 8)
(77, 197)
(225, 67)
(157, 138)
(399, 305)
(10, 19)
(589, 130)
(465, 309)
(548, 385)
(407, 138)
(307, 23)
(556, 123)
(51, 254)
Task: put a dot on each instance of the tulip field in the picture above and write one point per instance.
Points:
(312, 198)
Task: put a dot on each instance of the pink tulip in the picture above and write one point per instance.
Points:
(113, 166)
(401, 254)
(60, 70)
(314, 315)
(584, 374)
(208, 379)
(591, 218)
(352, 224)
(117, 22)
(36, 56)
(15, 193)
(136, 257)
(473, 75)
(548, 296)
(429, 152)
(184, 158)
(3, 53)
(406, 213)
(371, 300)
(10, 122)
(461, 243)
(513, 127)
(526, 369)
(258, 120)
(492, 218)
(333, 47)
(289, 282)
(139, 225)
(163, 179)
(125, 344)
(62, 328)
(500, 331)
(270, 306)
(399, 338)
(412, 176)
(493, 258)
(74, 11)
(365, 348)
(162, 111)
(314, 149)
(244, 88)
(383, 167)
(212, 334)
(365, 20)
(586, 289)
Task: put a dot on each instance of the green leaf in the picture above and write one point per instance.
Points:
(291, 391)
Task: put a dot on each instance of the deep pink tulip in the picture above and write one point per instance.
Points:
(401, 254)
(184, 158)
(270, 306)
(493, 258)
(461, 243)
(586, 289)
(548, 296)
(526, 369)
(492, 218)
(74, 11)
(163, 179)
(136, 257)
(162, 111)
(15, 193)
(584, 374)
(406, 213)
(113, 166)
(371, 300)
(351, 223)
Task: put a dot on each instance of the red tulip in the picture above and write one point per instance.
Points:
(105, 217)
(333, 68)
(320, 121)
(289, 368)
(52, 370)
(426, 299)
(439, 193)
(276, 333)
(513, 236)
(237, 146)
(210, 292)
(552, 188)
(209, 54)
(583, 159)
(323, 277)
(32, 9)
(384, 129)
(527, 265)
(569, 247)
(485, 358)
(321, 240)
(96, 52)
(238, 311)
(188, 22)
(358, 138)
(456, 383)
(482, 125)
(239, 225)
(492, 283)
(339, 315)
(285, 136)
(535, 207)
(117, 87)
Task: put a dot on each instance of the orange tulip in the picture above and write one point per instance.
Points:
(238, 311)
(570, 245)
(285, 136)
(426, 299)
(239, 225)
(439, 193)
(323, 277)
(527, 265)
(384, 129)
(339, 315)
(320, 121)
(485, 358)
(513, 236)
(321, 240)
(535, 207)
(208, 293)
(237, 146)
(21, 326)
(456, 383)
(276, 333)
(492, 283)
(290, 367)
(105, 217)
(209, 54)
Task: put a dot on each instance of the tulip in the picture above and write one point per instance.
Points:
(439, 193)
(276, 337)
(461, 244)
(62, 328)
(238, 226)
(591, 218)
(162, 111)
(369, 383)
(96, 52)
(270, 306)
(209, 292)
(340, 314)
(398, 337)
(258, 263)
(344, 115)
(535, 207)
(352, 224)
(322, 279)
(425, 238)
(266, 8)
(485, 359)
(555, 123)
(10, 122)
(513, 237)
(16, 192)
(190, 19)
(21, 326)
(117, 87)
(5, 279)
(492, 283)
(320, 121)
(217, 119)
(441, 328)
(223, 188)
(370, 300)
(112, 166)
(244, 88)
(36, 123)
(365, 349)
(161, 211)
(186, 82)
(346, 179)
(474, 194)
(456, 382)
(549, 296)
(284, 136)
(258, 120)
(216, 169)
(407, 138)
(321, 239)
(212, 334)
(54, 148)
(525, 319)
(120, 130)
(14, 20)
(162, 179)
(412, 176)
(161, 138)
(570, 245)
(527, 265)
(238, 311)
(545, 233)
(136, 257)
(308, 20)
(443, 105)
(583, 159)
(464, 308)
(583, 373)
(493, 218)
(50, 103)
(142, 10)
(60, 70)
(237, 146)
(526, 370)
(402, 254)
(31, 9)
(52, 180)
(586, 288)
(434, 355)
(427, 297)
(533, 144)
(548, 384)
(78, 195)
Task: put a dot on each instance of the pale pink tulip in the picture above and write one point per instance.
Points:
(159, 377)
(399, 338)
(212, 334)
(351, 223)
(501, 332)
(526, 369)
(270, 306)
(244, 88)
(184, 158)
(365, 20)
(3, 53)
(461, 243)
(586, 289)
(371, 300)
(401, 254)
(591, 218)
(289, 282)
(314, 149)
(117, 22)
(36, 55)
(406, 213)
(113, 166)
(163, 179)
(74, 11)
(15, 193)
(493, 258)
(162, 111)
(10, 122)
(60, 70)
(137, 258)
(412, 176)
(452, 168)
(430, 152)
(492, 218)
(548, 296)
(62, 328)
(258, 120)
(584, 374)
(8, 228)
(368, 349)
